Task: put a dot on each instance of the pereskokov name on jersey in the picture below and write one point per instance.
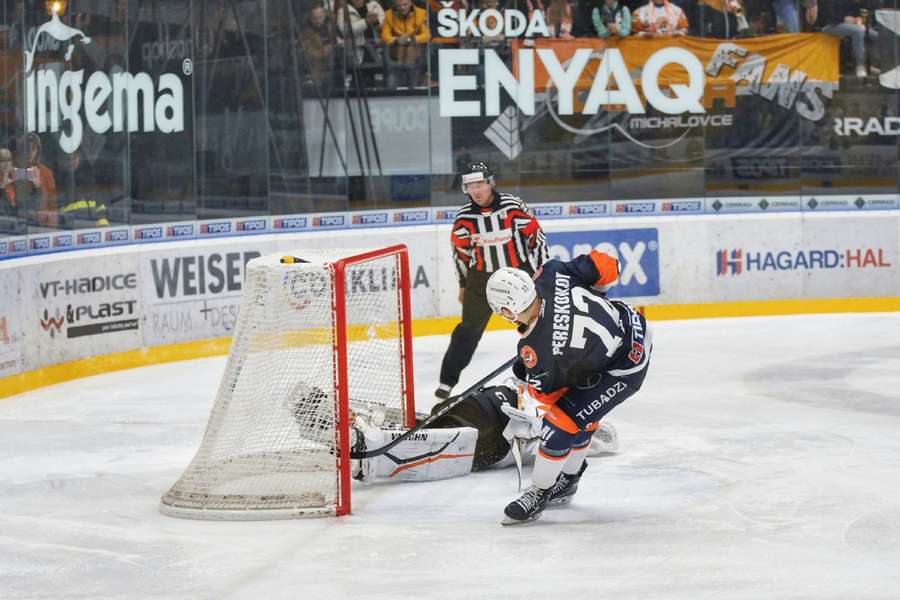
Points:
(52, 99)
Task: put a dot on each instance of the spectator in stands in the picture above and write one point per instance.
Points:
(494, 41)
(20, 194)
(7, 190)
(848, 19)
(497, 43)
(405, 33)
(366, 19)
(611, 19)
(558, 17)
(80, 204)
(660, 18)
(788, 13)
(810, 11)
(723, 19)
(582, 24)
(41, 180)
(437, 41)
(320, 44)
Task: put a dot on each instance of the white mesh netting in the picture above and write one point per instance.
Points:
(269, 446)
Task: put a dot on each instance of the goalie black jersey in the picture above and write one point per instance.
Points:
(579, 333)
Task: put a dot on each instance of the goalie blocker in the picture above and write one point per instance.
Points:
(476, 435)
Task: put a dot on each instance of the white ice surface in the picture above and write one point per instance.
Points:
(761, 460)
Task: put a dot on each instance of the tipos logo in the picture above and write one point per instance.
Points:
(51, 99)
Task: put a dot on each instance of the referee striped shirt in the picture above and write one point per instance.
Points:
(504, 234)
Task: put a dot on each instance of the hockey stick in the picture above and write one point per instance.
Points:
(424, 424)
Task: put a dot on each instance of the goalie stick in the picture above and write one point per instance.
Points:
(424, 424)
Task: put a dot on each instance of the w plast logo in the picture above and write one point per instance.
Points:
(728, 262)
(637, 251)
(52, 324)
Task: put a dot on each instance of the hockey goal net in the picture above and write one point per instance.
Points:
(315, 329)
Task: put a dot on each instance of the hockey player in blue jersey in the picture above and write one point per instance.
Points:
(580, 354)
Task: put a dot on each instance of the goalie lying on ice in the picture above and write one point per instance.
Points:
(476, 435)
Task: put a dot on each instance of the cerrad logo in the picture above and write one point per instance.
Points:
(54, 102)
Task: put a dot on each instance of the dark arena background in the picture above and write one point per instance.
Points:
(225, 241)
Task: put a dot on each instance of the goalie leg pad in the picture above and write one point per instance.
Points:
(428, 455)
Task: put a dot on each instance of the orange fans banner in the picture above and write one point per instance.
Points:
(814, 54)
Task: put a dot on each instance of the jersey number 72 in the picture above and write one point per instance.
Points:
(584, 322)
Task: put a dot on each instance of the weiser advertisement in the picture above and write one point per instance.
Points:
(195, 293)
(83, 308)
(637, 251)
(827, 258)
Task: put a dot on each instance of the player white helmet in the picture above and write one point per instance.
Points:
(511, 289)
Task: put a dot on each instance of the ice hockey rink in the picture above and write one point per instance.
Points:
(761, 460)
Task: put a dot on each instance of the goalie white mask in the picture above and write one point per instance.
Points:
(511, 289)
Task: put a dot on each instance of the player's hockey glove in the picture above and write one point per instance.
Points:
(524, 424)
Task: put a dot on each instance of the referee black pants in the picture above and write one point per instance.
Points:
(476, 312)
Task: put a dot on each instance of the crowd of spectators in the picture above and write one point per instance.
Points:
(391, 42)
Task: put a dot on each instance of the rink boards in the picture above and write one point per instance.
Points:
(72, 314)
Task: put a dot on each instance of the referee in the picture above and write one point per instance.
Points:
(491, 231)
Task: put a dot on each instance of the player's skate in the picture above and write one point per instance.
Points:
(565, 487)
(527, 508)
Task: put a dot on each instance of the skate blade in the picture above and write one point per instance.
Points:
(507, 522)
(559, 502)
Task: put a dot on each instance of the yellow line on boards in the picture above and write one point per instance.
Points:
(97, 365)
(770, 308)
